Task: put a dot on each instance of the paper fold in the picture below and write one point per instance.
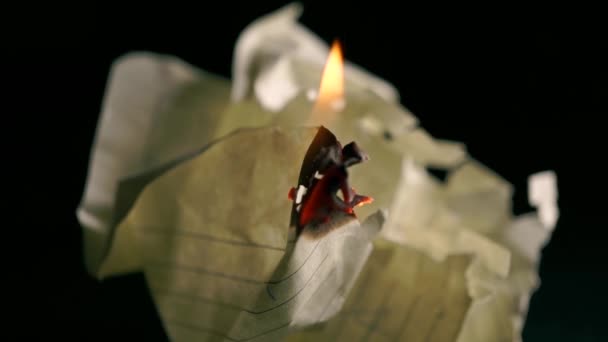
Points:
(188, 181)
(275, 57)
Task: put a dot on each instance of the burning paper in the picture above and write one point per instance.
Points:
(217, 255)
(323, 175)
(188, 182)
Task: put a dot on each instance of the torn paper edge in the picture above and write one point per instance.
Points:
(138, 86)
(271, 45)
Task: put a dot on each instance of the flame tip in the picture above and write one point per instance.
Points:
(331, 89)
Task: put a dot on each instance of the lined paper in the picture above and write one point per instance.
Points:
(156, 108)
(401, 295)
(182, 190)
(213, 242)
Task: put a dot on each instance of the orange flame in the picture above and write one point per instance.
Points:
(331, 90)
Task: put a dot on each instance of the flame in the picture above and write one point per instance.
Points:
(331, 90)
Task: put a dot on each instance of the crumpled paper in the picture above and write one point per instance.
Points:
(276, 59)
(209, 239)
(188, 181)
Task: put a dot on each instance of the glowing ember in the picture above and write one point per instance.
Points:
(323, 175)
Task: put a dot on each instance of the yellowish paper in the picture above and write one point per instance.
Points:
(401, 295)
(156, 109)
(211, 236)
(191, 189)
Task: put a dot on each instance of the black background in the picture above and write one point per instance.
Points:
(524, 88)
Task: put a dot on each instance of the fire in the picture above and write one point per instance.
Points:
(331, 90)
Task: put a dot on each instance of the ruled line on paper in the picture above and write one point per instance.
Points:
(219, 333)
(359, 313)
(194, 269)
(199, 270)
(410, 308)
(328, 302)
(169, 293)
(361, 288)
(224, 335)
(439, 311)
(355, 316)
(274, 282)
(378, 313)
(197, 329)
(250, 311)
(436, 318)
(364, 283)
(209, 238)
(407, 316)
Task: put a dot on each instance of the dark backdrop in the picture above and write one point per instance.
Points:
(523, 88)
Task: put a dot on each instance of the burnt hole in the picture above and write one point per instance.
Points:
(387, 135)
(440, 174)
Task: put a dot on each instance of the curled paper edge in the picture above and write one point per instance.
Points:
(543, 194)
(487, 275)
(273, 45)
(138, 86)
(495, 257)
